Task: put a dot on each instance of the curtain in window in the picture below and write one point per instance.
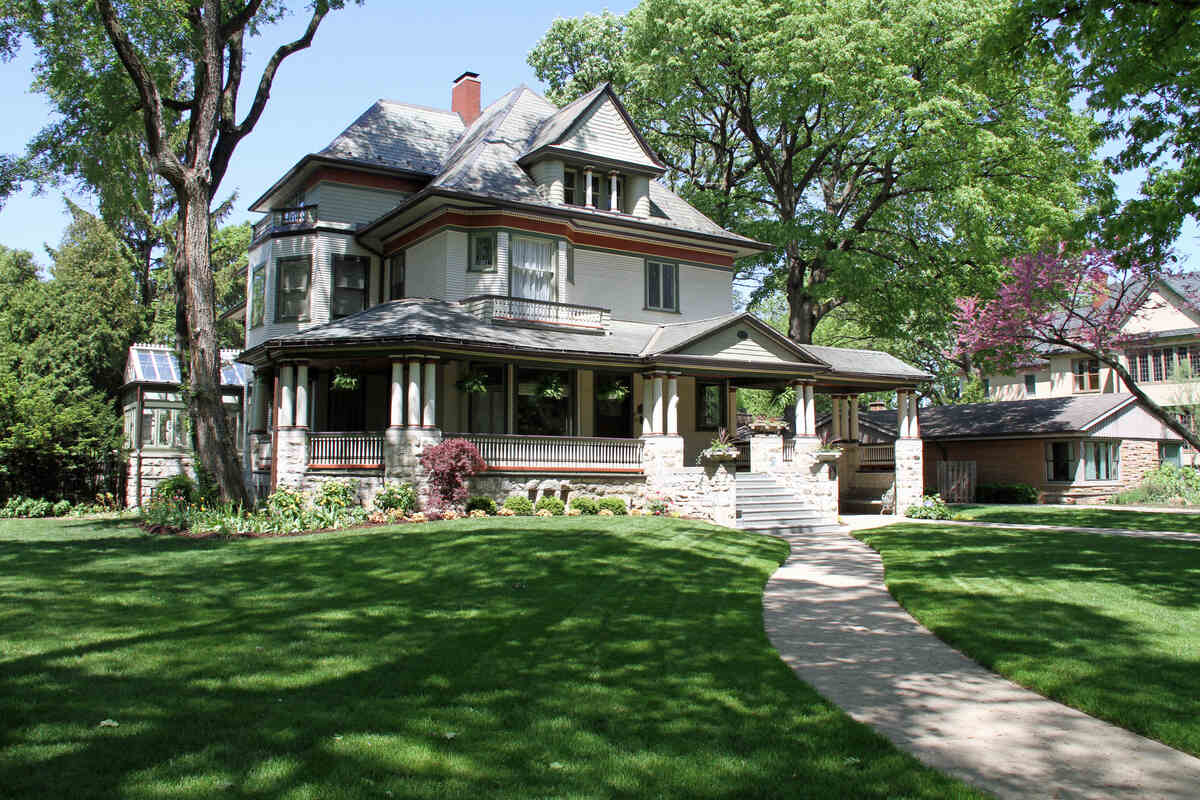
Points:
(533, 268)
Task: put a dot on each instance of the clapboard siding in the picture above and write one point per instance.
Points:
(727, 344)
(617, 281)
(548, 175)
(604, 133)
(425, 267)
(337, 202)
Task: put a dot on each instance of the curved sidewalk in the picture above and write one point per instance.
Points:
(832, 620)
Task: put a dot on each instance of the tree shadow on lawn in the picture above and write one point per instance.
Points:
(1004, 598)
(460, 659)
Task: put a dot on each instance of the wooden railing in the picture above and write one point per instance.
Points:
(877, 455)
(743, 456)
(789, 449)
(285, 219)
(345, 449)
(537, 312)
(506, 452)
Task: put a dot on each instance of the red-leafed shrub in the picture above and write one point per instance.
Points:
(448, 465)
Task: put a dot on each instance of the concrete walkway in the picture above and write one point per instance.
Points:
(832, 620)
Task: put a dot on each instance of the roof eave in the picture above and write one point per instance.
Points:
(259, 206)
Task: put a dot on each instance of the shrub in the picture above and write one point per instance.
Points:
(657, 507)
(614, 504)
(449, 464)
(931, 507)
(336, 496)
(285, 502)
(1021, 493)
(505, 511)
(551, 504)
(585, 505)
(519, 505)
(481, 502)
(61, 508)
(478, 513)
(1167, 484)
(400, 497)
(179, 488)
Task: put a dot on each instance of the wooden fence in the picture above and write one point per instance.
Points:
(956, 481)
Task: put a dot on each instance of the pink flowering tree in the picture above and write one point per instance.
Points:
(1062, 301)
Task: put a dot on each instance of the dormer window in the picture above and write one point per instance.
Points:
(483, 252)
(570, 187)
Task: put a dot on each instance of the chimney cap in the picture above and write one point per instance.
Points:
(467, 74)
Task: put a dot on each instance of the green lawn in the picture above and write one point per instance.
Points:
(1083, 517)
(573, 658)
(1107, 624)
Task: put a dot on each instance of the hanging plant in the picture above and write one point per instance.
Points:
(473, 383)
(344, 381)
(552, 387)
(614, 389)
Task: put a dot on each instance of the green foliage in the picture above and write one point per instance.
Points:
(483, 503)
(61, 508)
(1009, 493)
(551, 504)
(519, 504)
(658, 507)
(18, 506)
(930, 507)
(400, 497)
(1166, 484)
(180, 488)
(614, 504)
(336, 495)
(585, 505)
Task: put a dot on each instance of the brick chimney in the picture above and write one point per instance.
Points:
(464, 97)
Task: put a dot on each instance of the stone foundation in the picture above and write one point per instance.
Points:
(814, 480)
(708, 492)
(367, 483)
(155, 467)
(910, 473)
(291, 457)
(499, 486)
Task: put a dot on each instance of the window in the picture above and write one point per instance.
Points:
(662, 286)
(987, 387)
(487, 409)
(710, 406)
(570, 264)
(165, 427)
(1100, 460)
(1170, 453)
(614, 404)
(258, 295)
(128, 421)
(349, 285)
(1060, 462)
(396, 277)
(1087, 375)
(1031, 384)
(571, 187)
(483, 252)
(544, 402)
(291, 294)
(596, 192)
(533, 268)
(1164, 363)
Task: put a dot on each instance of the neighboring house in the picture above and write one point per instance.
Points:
(157, 436)
(1081, 448)
(516, 275)
(1163, 354)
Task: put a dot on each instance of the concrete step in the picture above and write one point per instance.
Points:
(851, 506)
(778, 530)
(782, 519)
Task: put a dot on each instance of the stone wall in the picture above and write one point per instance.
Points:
(708, 491)
(499, 486)
(910, 473)
(367, 482)
(813, 480)
(291, 457)
(155, 467)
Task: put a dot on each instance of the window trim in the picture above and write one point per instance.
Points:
(306, 309)
(394, 260)
(258, 304)
(1077, 374)
(646, 269)
(334, 258)
(472, 240)
(1114, 461)
(723, 411)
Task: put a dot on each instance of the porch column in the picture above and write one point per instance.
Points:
(396, 413)
(810, 410)
(414, 391)
(302, 395)
(853, 402)
(835, 421)
(647, 404)
(612, 191)
(284, 416)
(803, 399)
(672, 404)
(656, 424)
(429, 413)
(587, 187)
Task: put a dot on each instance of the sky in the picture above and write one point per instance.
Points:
(400, 51)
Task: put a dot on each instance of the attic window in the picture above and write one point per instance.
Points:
(743, 335)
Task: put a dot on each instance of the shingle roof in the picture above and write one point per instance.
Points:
(1038, 417)
(399, 136)
(557, 125)
(865, 362)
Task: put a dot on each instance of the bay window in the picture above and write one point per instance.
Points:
(349, 285)
(662, 286)
(291, 290)
(533, 267)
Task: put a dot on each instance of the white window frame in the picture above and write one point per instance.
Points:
(653, 266)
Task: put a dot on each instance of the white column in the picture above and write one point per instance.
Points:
(612, 191)
(656, 416)
(801, 415)
(587, 187)
(836, 419)
(302, 395)
(672, 405)
(810, 411)
(647, 405)
(902, 414)
(914, 428)
(429, 413)
(414, 392)
(284, 416)
(396, 414)
(853, 417)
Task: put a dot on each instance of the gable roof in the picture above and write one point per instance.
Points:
(677, 336)
(555, 131)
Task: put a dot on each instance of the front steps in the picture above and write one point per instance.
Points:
(765, 506)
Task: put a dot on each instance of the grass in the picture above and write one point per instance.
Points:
(1107, 624)
(1082, 517)
(571, 658)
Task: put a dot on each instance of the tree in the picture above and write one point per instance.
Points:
(1138, 64)
(891, 161)
(1060, 300)
(186, 60)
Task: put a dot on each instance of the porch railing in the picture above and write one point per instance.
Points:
(743, 456)
(877, 455)
(345, 449)
(285, 219)
(789, 449)
(497, 308)
(509, 452)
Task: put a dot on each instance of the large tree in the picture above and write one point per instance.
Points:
(891, 159)
(185, 59)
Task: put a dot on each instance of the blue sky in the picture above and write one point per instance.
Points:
(402, 51)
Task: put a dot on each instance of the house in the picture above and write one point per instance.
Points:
(1078, 448)
(518, 276)
(155, 419)
(1162, 352)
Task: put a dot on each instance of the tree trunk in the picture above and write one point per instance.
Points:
(802, 306)
(196, 335)
(1158, 412)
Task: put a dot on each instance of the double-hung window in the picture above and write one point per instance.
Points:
(483, 252)
(533, 267)
(710, 406)
(396, 276)
(349, 284)
(258, 295)
(1101, 461)
(662, 286)
(597, 191)
(571, 187)
(291, 291)
(1087, 375)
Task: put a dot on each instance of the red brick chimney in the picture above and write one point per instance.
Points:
(464, 97)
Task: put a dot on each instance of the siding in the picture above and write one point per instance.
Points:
(726, 344)
(604, 133)
(1160, 314)
(339, 202)
(548, 175)
(616, 281)
(459, 282)
(425, 267)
